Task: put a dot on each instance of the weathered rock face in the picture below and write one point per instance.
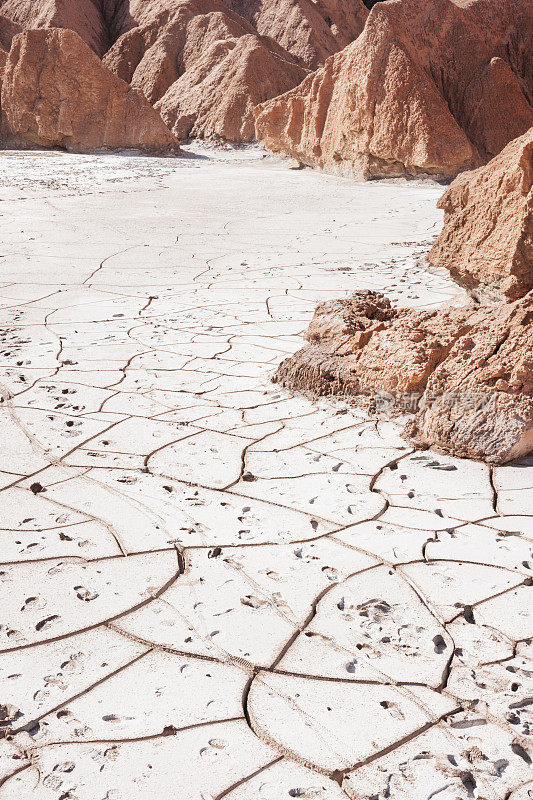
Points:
(466, 373)
(487, 239)
(8, 30)
(429, 87)
(149, 54)
(203, 65)
(3, 62)
(83, 16)
(492, 362)
(310, 31)
(57, 93)
(217, 93)
(206, 63)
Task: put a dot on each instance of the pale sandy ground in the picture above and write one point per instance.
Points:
(211, 589)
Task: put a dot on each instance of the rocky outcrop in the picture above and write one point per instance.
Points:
(429, 87)
(216, 95)
(205, 63)
(85, 17)
(57, 93)
(310, 31)
(479, 401)
(152, 54)
(466, 374)
(487, 239)
(202, 65)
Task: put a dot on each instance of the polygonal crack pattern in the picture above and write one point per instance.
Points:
(210, 588)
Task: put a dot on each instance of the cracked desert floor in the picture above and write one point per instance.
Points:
(210, 588)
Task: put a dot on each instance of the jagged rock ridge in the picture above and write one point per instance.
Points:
(203, 66)
(205, 63)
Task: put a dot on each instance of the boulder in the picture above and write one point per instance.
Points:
(430, 86)
(466, 374)
(478, 402)
(57, 93)
(487, 239)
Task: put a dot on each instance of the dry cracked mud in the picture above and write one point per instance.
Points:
(211, 588)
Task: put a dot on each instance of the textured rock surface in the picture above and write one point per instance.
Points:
(468, 372)
(487, 239)
(203, 65)
(310, 31)
(57, 93)
(217, 93)
(431, 87)
(83, 16)
(8, 30)
(493, 361)
(206, 62)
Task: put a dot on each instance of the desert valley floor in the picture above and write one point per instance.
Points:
(211, 588)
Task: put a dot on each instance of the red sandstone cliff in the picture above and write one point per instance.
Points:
(83, 16)
(310, 31)
(203, 65)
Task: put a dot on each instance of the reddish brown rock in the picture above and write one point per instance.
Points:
(466, 373)
(479, 401)
(57, 93)
(216, 95)
(83, 16)
(206, 63)
(310, 31)
(428, 87)
(8, 30)
(3, 61)
(203, 65)
(487, 239)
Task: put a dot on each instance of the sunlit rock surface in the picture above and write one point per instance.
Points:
(57, 93)
(430, 87)
(466, 372)
(487, 238)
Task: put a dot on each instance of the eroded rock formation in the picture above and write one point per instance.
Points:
(487, 239)
(83, 16)
(57, 93)
(203, 65)
(217, 93)
(466, 373)
(433, 87)
(310, 31)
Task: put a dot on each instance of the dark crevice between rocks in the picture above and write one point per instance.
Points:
(116, 19)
